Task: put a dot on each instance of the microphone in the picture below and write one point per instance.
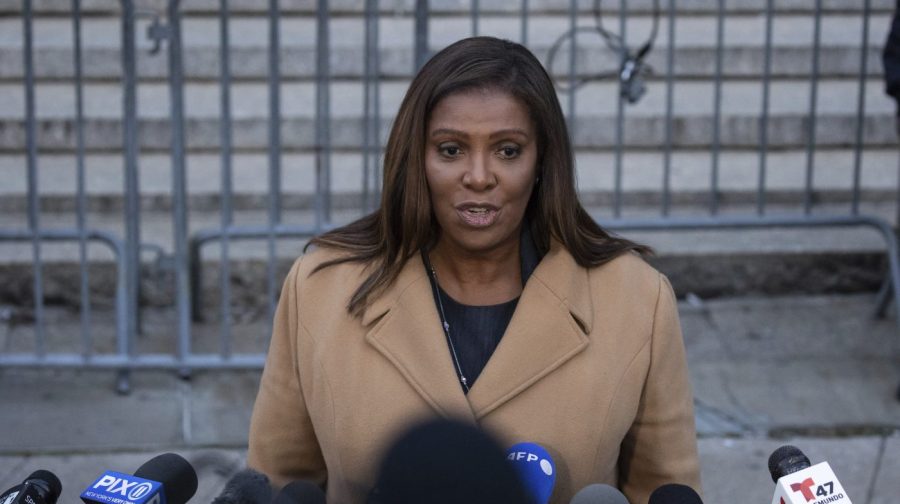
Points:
(446, 462)
(599, 494)
(41, 487)
(246, 487)
(164, 479)
(674, 493)
(535, 468)
(787, 460)
(798, 482)
(300, 492)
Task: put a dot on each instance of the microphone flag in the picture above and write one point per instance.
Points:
(814, 485)
(119, 488)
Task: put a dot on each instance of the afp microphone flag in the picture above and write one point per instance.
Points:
(535, 468)
(118, 488)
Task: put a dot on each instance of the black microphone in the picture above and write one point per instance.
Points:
(446, 462)
(175, 473)
(787, 460)
(246, 487)
(41, 487)
(674, 493)
(300, 492)
(599, 494)
(799, 482)
(167, 476)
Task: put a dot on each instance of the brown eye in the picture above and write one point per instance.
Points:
(449, 150)
(509, 152)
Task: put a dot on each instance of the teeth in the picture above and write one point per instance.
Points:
(478, 210)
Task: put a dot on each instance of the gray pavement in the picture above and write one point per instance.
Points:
(814, 371)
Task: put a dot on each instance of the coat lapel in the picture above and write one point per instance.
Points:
(548, 328)
(408, 333)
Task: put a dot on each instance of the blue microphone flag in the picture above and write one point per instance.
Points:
(535, 468)
(118, 488)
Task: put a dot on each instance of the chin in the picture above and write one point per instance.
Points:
(484, 243)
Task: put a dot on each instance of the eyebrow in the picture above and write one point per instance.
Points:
(503, 132)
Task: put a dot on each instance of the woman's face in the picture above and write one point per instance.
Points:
(480, 163)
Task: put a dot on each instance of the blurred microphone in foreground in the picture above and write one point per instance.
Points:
(41, 487)
(599, 494)
(446, 462)
(246, 487)
(674, 493)
(164, 479)
(799, 482)
(300, 492)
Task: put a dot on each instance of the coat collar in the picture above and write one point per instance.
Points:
(549, 327)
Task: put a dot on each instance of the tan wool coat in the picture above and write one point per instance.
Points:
(592, 367)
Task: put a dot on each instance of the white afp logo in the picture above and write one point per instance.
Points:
(546, 466)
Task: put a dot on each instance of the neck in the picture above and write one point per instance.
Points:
(480, 279)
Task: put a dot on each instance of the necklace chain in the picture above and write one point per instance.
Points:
(445, 324)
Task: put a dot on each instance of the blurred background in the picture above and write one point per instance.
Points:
(163, 163)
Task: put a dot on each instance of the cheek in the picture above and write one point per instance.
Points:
(522, 183)
(440, 183)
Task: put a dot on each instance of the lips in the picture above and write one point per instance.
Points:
(478, 215)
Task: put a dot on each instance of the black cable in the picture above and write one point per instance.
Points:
(631, 69)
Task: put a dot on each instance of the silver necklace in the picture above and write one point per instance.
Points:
(446, 325)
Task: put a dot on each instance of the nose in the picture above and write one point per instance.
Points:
(479, 175)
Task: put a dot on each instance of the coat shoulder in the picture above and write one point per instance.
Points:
(629, 274)
(319, 284)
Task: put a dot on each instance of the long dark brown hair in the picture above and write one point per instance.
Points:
(404, 222)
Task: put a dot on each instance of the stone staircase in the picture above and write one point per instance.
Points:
(695, 33)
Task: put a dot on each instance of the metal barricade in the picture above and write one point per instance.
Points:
(583, 25)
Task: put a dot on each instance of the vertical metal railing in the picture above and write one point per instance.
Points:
(764, 114)
(323, 115)
(34, 223)
(179, 186)
(274, 146)
(81, 196)
(131, 191)
(717, 110)
(371, 109)
(813, 109)
(36, 234)
(523, 19)
(620, 112)
(861, 108)
(227, 168)
(670, 105)
(573, 71)
(186, 256)
(420, 41)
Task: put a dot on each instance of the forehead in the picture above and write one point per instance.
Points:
(480, 110)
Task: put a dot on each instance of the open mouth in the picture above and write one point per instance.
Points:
(478, 215)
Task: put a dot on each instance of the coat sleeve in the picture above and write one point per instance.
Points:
(661, 445)
(282, 442)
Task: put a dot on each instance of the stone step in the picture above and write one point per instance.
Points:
(642, 179)
(695, 42)
(249, 100)
(709, 263)
(741, 131)
(443, 7)
(156, 228)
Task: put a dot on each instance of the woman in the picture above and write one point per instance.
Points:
(480, 290)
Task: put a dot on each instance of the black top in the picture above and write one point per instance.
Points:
(477, 330)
